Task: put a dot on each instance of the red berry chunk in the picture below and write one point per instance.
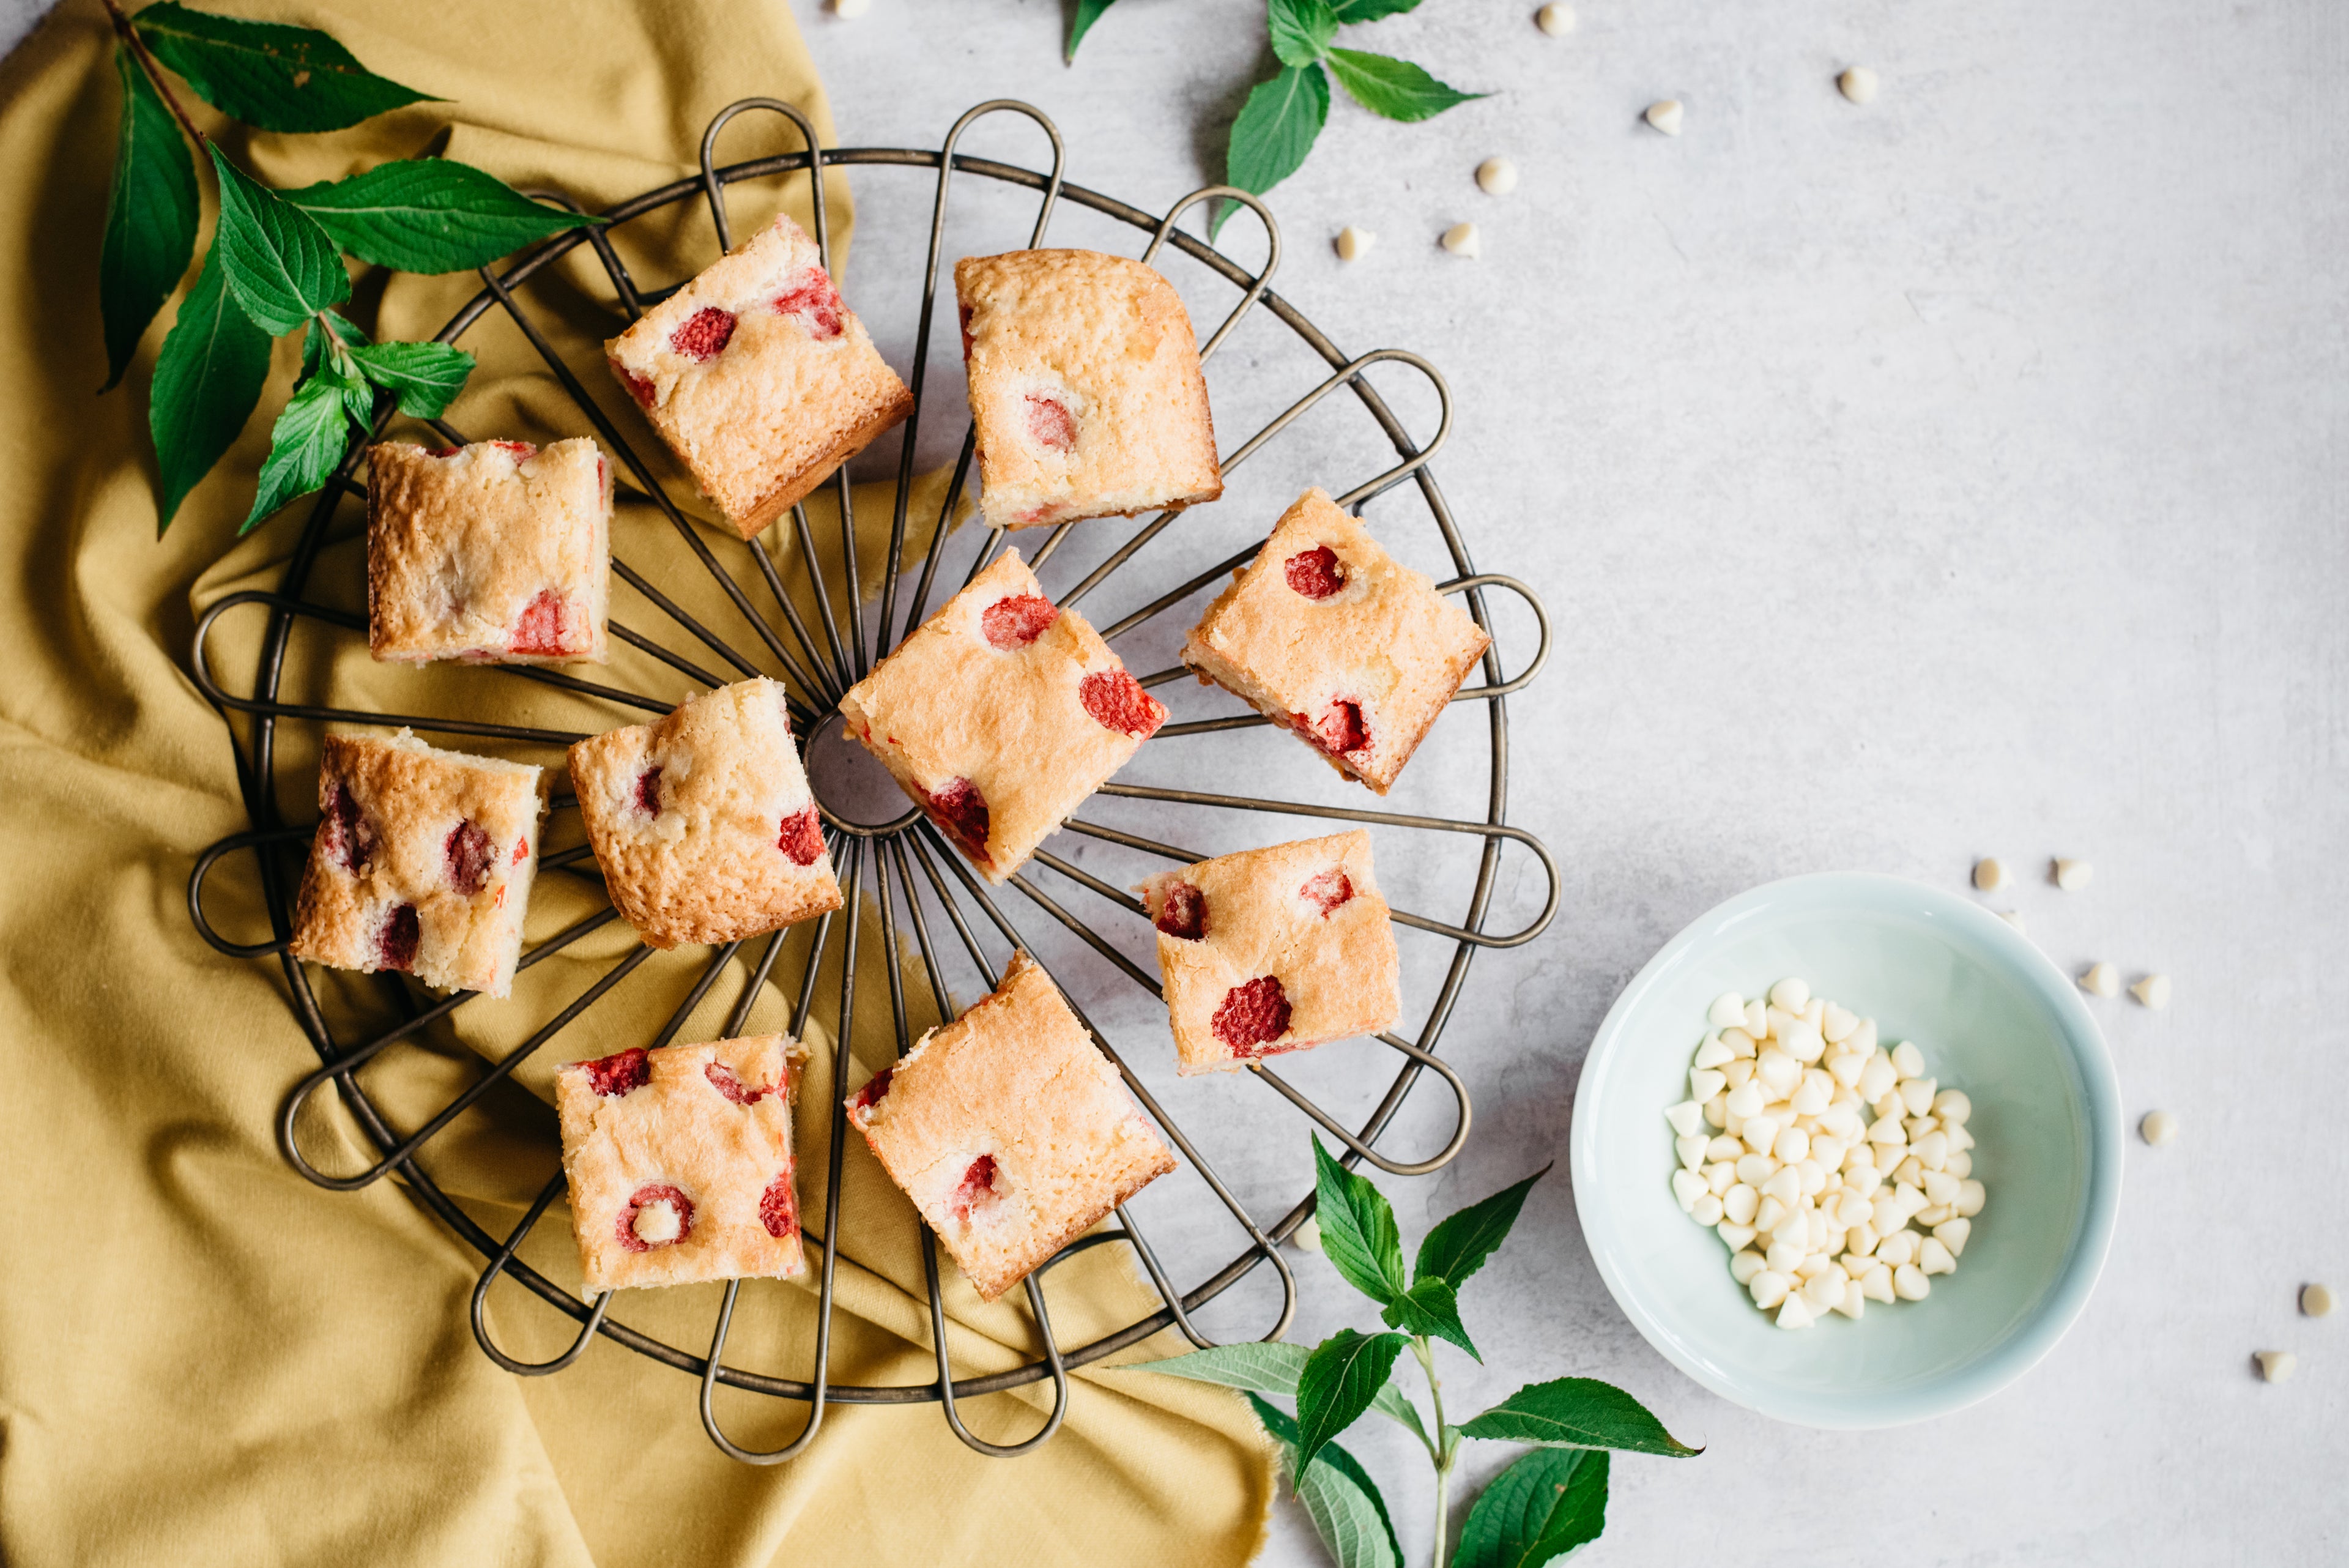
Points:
(444, 452)
(978, 1187)
(648, 791)
(539, 633)
(470, 854)
(522, 849)
(644, 1196)
(1315, 573)
(400, 935)
(1117, 702)
(704, 335)
(875, 1088)
(1252, 1016)
(1183, 912)
(816, 303)
(619, 1073)
(1049, 423)
(521, 451)
(1330, 889)
(779, 1206)
(964, 313)
(801, 837)
(723, 1079)
(961, 810)
(1340, 730)
(639, 387)
(1016, 620)
(349, 841)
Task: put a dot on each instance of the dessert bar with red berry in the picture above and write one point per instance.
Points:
(703, 822)
(1274, 949)
(1000, 715)
(680, 1161)
(496, 553)
(759, 377)
(1009, 1130)
(422, 865)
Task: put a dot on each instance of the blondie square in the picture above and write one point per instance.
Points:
(496, 553)
(758, 377)
(1000, 715)
(422, 863)
(1086, 388)
(1010, 1131)
(1333, 640)
(703, 821)
(681, 1164)
(1273, 950)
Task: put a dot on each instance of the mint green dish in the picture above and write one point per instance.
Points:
(1993, 1017)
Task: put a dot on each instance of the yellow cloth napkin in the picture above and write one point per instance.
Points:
(202, 1356)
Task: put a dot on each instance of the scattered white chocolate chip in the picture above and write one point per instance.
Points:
(2158, 1128)
(850, 7)
(1990, 874)
(1665, 116)
(1556, 20)
(2316, 1301)
(1307, 1235)
(1462, 240)
(1858, 84)
(2275, 1366)
(2153, 991)
(2013, 918)
(1354, 244)
(2072, 874)
(1496, 176)
(656, 1222)
(2101, 980)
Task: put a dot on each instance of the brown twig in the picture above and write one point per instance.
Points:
(153, 68)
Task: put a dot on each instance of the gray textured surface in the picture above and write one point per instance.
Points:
(1957, 476)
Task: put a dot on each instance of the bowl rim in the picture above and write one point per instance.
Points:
(2100, 1200)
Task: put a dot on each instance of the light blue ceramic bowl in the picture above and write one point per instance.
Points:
(1993, 1017)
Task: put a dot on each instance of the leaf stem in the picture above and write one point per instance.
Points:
(1444, 1450)
(154, 69)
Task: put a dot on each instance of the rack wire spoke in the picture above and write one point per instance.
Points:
(497, 1265)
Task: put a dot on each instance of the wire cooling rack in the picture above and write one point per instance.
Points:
(896, 862)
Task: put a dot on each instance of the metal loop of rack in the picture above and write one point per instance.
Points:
(895, 861)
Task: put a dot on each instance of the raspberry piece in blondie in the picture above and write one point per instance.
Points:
(1000, 715)
(1273, 950)
(680, 1163)
(1086, 388)
(758, 377)
(496, 553)
(1012, 1134)
(422, 863)
(702, 821)
(1356, 654)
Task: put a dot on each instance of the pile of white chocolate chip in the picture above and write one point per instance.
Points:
(1835, 1171)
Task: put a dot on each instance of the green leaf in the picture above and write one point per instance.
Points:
(1322, 1489)
(1430, 1307)
(282, 267)
(1395, 88)
(1358, 1229)
(207, 379)
(313, 341)
(270, 75)
(150, 218)
(1081, 20)
(1301, 30)
(313, 431)
(1536, 1511)
(1576, 1413)
(1341, 1379)
(1270, 1369)
(1370, 10)
(1460, 1242)
(426, 377)
(431, 215)
(1275, 130)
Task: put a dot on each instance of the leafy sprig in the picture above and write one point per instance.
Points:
(1550, 1502)
(1283, 117)
(276, 263)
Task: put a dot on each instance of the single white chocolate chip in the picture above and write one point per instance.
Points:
(2275, 1366)
(1496, 176)
(1665, 116)
(1727, 1011)
(1990, 874)
(656, 1222)
(850, 7)
(1354, 244)
(2072, 874)
(2013, 918)
(1792, 994)
(1556, 20)
(2316, 1301)
(2153, 991)
(1858, 84)
(1462, 240)
(2158, 1128)
(1307, 1235)
(2101, 980)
